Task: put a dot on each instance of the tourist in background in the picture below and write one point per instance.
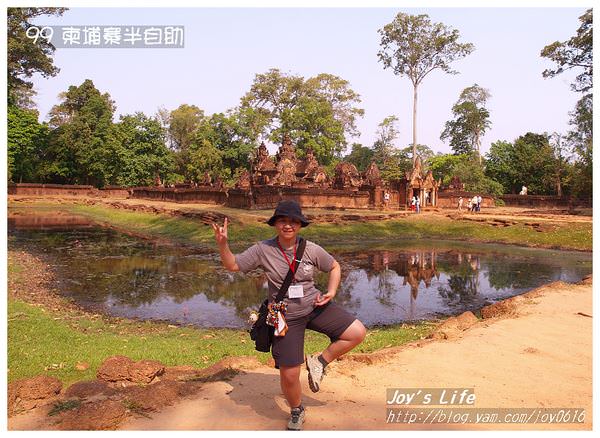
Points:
(413, 203)
(418, 205)
(460, 203)
(479, 199)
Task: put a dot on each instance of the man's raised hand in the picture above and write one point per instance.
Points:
(220, 232)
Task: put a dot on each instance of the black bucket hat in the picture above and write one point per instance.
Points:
(288, 209)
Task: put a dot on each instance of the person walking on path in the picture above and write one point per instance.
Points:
(479, 199)
(474, 203)
(304, 306)
(418, 205)
(460, 203)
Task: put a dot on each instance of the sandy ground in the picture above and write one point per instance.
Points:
(540, 358)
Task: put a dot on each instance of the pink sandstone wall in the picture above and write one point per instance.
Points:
(450, 199)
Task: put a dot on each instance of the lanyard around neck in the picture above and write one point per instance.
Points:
(292, 265)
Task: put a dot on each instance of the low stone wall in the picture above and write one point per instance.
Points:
(268, 197)
(262, 197)
(51, 189)
(534, 201)
(450, 199)
(115, 192)
(205, 195)
(33, 189)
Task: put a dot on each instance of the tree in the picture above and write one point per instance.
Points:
(577, 52)
(205, 157)
(561, 149)
(361, 156)
(471, 120)
(234, 135)
(468, 169)
(144, 153)
(414, 47)
(529, 161)
(580, 139)
(386, 135)
(317, 113)
(163, 116)
(27, 139)
(24, 57)
(443, 166)
(392, 162)
(82, 143)
(183, 126)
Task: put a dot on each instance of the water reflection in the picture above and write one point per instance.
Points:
(111, 272)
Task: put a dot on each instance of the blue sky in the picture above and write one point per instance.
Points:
(225, 48)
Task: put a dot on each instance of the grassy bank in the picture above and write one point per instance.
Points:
(41, 341)
(561, 235)
(49, 338)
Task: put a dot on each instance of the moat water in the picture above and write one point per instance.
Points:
(107, 271)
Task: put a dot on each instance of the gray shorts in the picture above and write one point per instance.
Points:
(330, 319)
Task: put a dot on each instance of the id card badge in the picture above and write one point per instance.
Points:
(296, 291)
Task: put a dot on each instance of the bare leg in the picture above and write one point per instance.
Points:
(289, 379)
(351, 337)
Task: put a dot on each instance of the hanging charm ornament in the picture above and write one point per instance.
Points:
(276, 318)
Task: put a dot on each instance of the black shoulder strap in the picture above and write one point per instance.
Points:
(290, 274)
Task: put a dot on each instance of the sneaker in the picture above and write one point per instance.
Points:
(296, 418)
(315, 372)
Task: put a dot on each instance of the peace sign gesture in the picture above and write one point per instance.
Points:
(220, 232)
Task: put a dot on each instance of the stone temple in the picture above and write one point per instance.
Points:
(285, 176)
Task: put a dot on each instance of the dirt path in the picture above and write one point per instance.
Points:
(539, 358)
(507, 213)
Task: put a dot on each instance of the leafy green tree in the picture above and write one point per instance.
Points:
(413, 46)
(580, 139)
(82, 144)
(468, 169)
(184, 123)
(444, 166)
(27, 139)
(577, 52)
(315, 127)
(205, 157)
(470, 121)
(423, 151)
(144, 153)
(562, 168)
(474, 179)
(360, 156)
(391, 161)
(318, 113)
(24, 57)
(529, 161)
(386, 135)
(235, 135)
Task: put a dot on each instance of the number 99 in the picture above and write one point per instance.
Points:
(35, 33)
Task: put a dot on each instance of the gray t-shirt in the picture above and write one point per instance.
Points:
(267, 255)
